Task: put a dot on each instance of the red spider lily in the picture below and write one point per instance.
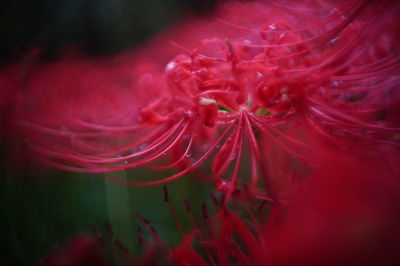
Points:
(261, 82)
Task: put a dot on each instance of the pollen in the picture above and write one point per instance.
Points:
(207, 101)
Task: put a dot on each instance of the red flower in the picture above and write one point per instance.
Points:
(265, 82)
(346, 214)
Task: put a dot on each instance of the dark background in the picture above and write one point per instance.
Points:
(97, 26)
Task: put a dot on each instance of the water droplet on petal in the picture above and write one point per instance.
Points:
(143, 146)
(333, 40)
(224, 185)
(189, 113)
(335, 83)
(170, 66)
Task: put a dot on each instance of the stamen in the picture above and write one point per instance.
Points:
(121, 246)
(166, 197)
(172, 210)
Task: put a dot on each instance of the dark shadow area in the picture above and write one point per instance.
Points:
(95, 26)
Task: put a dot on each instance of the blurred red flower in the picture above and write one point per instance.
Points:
(267, 85)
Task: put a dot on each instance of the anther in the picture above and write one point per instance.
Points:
(121, 246)
(166, 197)
(142, 219)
